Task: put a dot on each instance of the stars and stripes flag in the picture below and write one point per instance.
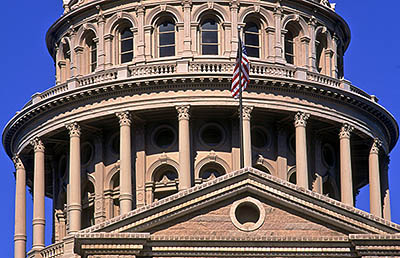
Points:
(241, 70)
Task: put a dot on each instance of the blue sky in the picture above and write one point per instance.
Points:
(372, 63)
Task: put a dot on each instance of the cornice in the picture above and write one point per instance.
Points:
(260, 84)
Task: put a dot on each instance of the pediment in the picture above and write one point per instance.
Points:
(290, 211)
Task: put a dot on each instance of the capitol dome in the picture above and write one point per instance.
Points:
(137, 143)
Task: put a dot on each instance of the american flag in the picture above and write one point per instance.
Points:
(244, 68)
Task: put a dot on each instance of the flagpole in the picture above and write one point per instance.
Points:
(240, 100)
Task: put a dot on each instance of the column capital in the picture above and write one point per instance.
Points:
(37, 145)
(247, 112)
(183, 112)
(17, 162)
(300, 119)
(346, 131)
(376, 145)
(124, 118)
(74, 129)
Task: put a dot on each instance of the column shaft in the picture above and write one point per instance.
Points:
(374, 180)
(38, 222)
(75, 202)
(385, 189)
(125, 196)
(20, 210)
(346, 175)
(184, 147)
(301, 149)
(247, 136)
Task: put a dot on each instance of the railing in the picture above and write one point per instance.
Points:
(359, 91)
(53, 251)
(54, 91)
(98, 77)
(323, 79)
(272, 70)
(210, 67)
(199, 66)
(153, 69)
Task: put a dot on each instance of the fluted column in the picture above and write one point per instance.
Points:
(184, 147)
(374, 180)
(346, 175)
(20, 209)
(300, 123)
(75, 202)
(38, 221)
(247, 135)
(125, 196)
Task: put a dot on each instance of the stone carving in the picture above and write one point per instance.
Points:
(183, 112)
(376, 145)
(17, 162)
(300, 119)
(37, 145)
(247, 112)
(74, 129)
(124, 118)
(345, 131)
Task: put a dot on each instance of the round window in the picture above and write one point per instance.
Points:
(259, 138)
(247, 214)
(87, 153)
(292, 143)
(212, 134)
(328, 155)
(164, 137)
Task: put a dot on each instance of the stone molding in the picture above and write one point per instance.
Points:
(125, 118)
(376, 145)
(17, 162)
(334, 211)
(183, 112)
(74, 129)
(300, 119)
(247, 112)
(345, 131)
(37, 145)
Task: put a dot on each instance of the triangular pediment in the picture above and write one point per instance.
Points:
(290, 211)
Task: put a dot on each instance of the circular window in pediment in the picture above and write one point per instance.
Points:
(247, 214)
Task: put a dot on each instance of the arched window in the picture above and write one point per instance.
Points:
(165, 182)
(211, 170)
(252, 39)
(321, 46)
(88, 194)
(289, 47)
(126, 44)
(166, 39)
(91, 52)
(209, 37)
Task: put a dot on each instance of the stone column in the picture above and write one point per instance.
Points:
(20, 209)
(79, 66)
(184, 147)
(187, 41)
(234, 36)
(38, 221)
(279, 55)
(334, 71)
(385, 188)
(75, 202)
(374, 180)
(108, 41)
(140, 57)
(346, 175)
(301, 149)
(100, 46)
(125, 196)
(313, 52)
(247, 136)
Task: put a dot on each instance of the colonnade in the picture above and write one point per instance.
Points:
(74, 206)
